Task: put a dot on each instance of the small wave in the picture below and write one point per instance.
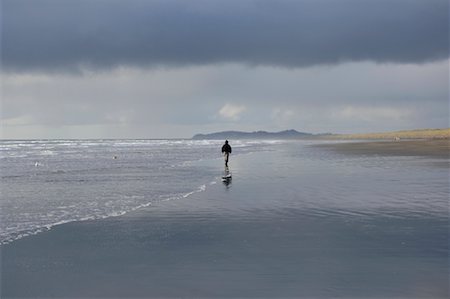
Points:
(6, 238)
(47, 153)
(201, 189)
(14, 155)
(14, 176)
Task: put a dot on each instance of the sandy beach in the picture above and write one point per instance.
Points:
(439, 148)
(274, 232)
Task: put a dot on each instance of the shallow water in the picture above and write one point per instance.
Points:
(295, 221)
(298, 221)
(49, 182)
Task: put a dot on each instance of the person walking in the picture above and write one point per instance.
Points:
(226, 151)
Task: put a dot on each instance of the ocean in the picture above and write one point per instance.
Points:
(152, 218)
(50, 182)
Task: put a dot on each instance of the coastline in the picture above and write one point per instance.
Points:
(436, 148)
(421, 134)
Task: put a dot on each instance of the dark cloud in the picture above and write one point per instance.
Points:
(64, 35)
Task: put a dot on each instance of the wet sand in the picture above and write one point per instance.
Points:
(425, 148)
(273, 232)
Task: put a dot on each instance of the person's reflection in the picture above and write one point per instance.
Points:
(226, 178)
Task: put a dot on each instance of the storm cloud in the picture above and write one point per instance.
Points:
(55, 35)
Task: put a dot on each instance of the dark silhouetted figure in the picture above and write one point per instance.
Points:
(226, 151)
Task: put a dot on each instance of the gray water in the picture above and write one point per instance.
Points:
(300, 221)
(50, 182)
(295, 221)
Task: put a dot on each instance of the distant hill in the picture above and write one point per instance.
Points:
(293, 134)
(288, 134)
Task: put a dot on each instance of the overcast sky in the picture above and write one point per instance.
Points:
(155, 69)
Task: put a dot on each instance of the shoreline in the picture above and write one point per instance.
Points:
(420, 134)
(436, 148)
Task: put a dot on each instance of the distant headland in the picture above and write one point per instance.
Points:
(294, 134)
